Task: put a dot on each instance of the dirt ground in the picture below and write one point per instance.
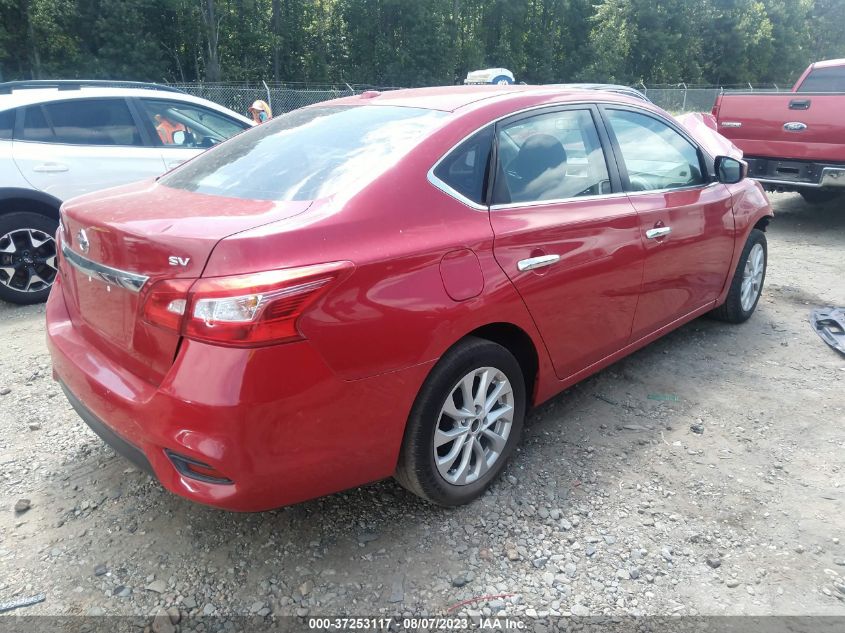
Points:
(704, 474)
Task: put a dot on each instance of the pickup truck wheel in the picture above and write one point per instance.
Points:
(464, 425)
(747, 283)
(819, 196)
(27, 257)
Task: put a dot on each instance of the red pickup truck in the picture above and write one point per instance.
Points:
(793, 141)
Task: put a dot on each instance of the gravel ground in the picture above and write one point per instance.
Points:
(704, 474)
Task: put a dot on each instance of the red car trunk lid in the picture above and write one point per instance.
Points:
(119, 243)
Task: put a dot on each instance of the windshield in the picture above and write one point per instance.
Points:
(307, 154)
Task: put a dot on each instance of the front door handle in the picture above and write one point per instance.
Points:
(533, 263)
(50, 168)
(660, 231)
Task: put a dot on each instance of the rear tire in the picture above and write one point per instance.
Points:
(747, 283)
(818, 196)
(455, 444)
(27, 257)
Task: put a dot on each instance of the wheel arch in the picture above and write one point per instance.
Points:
(519, 343)
(13, 199)
(762, 223)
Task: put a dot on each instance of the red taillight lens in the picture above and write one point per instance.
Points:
(242, 310)
(166, 302)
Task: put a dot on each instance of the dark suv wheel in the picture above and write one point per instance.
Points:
(27, 257)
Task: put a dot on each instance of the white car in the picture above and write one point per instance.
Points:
(499, 76)
(60, 139)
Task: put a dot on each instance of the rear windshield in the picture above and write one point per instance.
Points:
(824, 80)
(307, 154)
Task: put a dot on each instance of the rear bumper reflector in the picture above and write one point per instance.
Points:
(196, 470)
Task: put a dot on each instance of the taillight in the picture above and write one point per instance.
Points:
(166, 302)
(242, 310)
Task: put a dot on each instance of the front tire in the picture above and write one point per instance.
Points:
(747, 283)
(27, 257)
(464, 424)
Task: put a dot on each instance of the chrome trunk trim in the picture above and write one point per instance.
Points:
(112, 276)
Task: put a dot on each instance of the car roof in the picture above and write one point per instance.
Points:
(30, 96)
(828, 63)
(453, 98)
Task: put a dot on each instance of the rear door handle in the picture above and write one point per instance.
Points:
(533, 263)
(50, 168)
(799, 104)
(660, 231)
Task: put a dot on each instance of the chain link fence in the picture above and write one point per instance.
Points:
(682, 97)
(282, 98)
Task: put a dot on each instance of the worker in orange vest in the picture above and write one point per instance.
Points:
(165, 128)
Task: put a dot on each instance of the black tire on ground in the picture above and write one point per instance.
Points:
(731, 310)
(819, 196)
(40, 225)
(416, 469)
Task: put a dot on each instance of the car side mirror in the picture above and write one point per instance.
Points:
(730, 170)
(179, 138)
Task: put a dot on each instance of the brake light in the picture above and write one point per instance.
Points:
(242, 310)
(166, 302)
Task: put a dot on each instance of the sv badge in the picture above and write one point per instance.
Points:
(178, 261)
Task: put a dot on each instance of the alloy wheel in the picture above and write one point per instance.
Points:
(752, 277)
(27, 260)
(474, 425)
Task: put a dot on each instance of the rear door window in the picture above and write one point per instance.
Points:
(81, 122)
(35, 126)
(92, 122)
(7, 123)
(550, 156)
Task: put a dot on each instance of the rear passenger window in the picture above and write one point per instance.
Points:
(93, 122)
(551, 156)
(465, 168)
(7, 123)
(35, 126)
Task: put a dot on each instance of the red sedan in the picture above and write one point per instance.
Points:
(383, 285)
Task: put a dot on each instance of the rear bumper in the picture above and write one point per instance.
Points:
(275, 422)
(796, 174)
(120, 445)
